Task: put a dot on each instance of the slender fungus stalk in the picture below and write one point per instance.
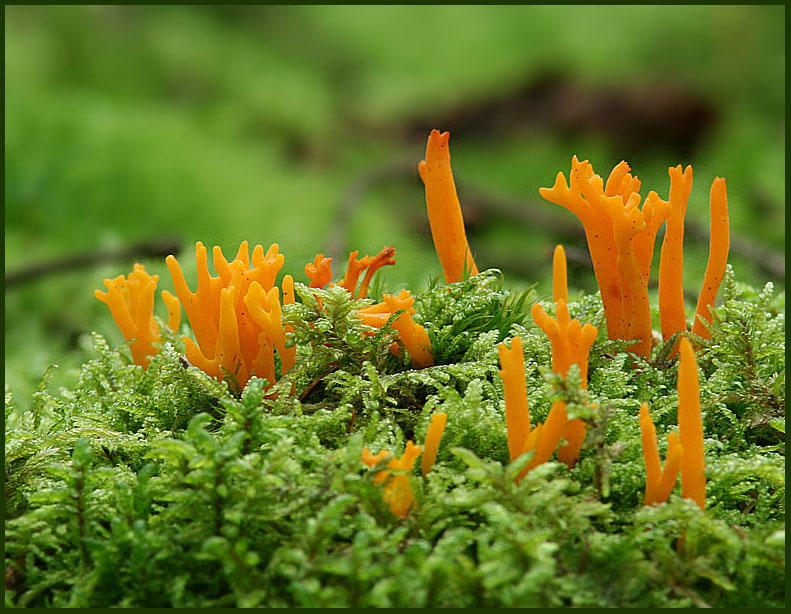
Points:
(517, 413)
(690, 427)
(675, 454)
(653, 467)
(444, 210)
(719, 243)
(174, 310)
(671, 262)
(659, 482)
(433, 436)
(560, 284)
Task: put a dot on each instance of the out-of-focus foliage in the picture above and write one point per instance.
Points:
(209, 123)
(166, 488)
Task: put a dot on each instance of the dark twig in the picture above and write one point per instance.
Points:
(395, 169)
(148, 249)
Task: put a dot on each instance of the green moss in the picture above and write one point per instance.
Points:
(166, 488)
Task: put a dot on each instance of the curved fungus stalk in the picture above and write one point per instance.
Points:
(719, 243)
(659, 482)
(412, 335)
(444, 210)
(517, 411)
(131, 303)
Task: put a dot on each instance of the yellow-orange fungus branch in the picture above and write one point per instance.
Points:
(397, 490)
(444, 210)
(353, 271)
(517, 412)
(560, 291)
(621, 237)
(653, 468)
(131, 303)
(659, 482)
(571, 343)
(174, 310)
(690, 427)
(671, 260)
(719, 243)
(433, 436)
(319, 271)
(236, 316)
(374, 459)
(412, 334)
(385, 257)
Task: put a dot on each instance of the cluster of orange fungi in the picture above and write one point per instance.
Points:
(684, 449)
(621, 238)
(397, 489)
(571, 343)
(236, 316)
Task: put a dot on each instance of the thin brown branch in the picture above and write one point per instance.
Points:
(148, 249)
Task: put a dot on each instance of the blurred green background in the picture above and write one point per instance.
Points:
(304, 125)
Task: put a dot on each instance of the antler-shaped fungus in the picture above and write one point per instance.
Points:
(131, 303)
(236, 316)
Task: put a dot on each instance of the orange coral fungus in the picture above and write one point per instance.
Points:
(719, 243)
(560, 283)
(517, 412)
(444, 210)
(571, 343)
(236, 316)
(374, 459)
(397, 490)
(685, 449)
(433, 436)
(131, 303)
(385, 257)
(690, 427)
(412, 334)
(671, 260)
(353, 271)
(174, 310)
(620, 238)
(659, 482)
(319, 271)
